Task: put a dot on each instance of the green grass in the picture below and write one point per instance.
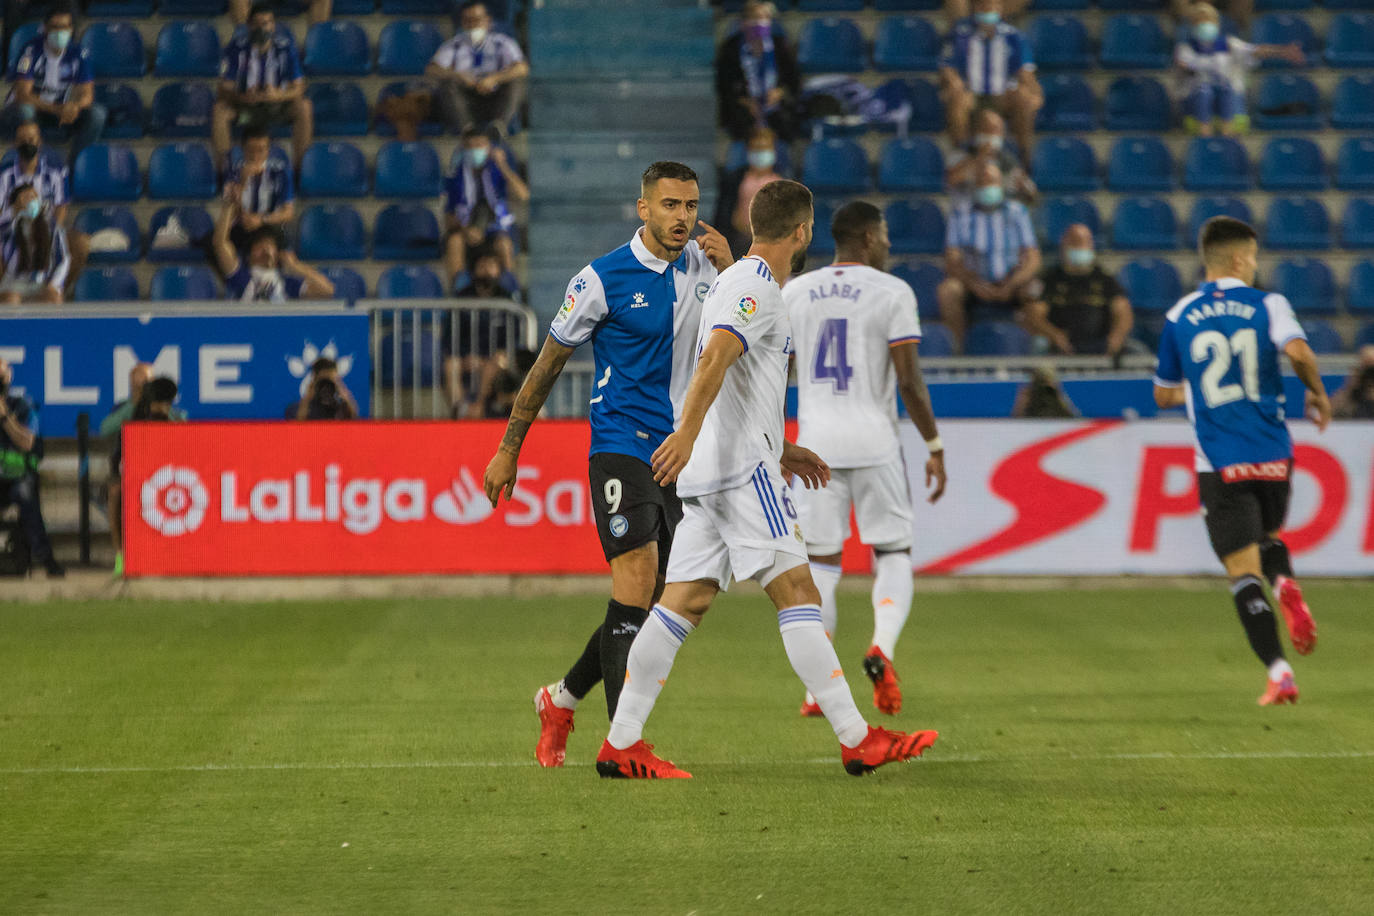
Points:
(1100, 752)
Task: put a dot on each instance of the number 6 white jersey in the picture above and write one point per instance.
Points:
(844, 319)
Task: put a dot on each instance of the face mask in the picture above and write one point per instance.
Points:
(60, 39)
(28, 150)
(988, 195)
(762, 158)
(758, 31)
(477, 36)
(477, 157)
(1206, 32)
(1079, 257)
(32, 209)
(992, 140)
(259, 36)
(988, 18)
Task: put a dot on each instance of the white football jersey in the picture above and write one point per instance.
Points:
(743, 428)
(844, 319)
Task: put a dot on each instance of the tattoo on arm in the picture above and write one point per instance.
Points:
(533, 393)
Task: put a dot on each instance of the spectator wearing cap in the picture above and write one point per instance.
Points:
(481, 75)
(55, 85)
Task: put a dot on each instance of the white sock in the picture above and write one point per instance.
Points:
(1279, 669)
(562, 696)
(892, 593)
(651, 660)
(813, 658)
(826, 577)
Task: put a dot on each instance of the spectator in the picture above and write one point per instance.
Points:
(474, 365)
(481, 75)
(476, 205)
(326, 395)
(1042, 397)
(758, 82)
(990, 256)
(240, 11)
(737, 189)
(50, 180)
(54, 85)
(261, 183)
(989, 144)
(956, 10)
(265, 273)
(139, 376)
(154, 402)
(1076, 305)
(987, 63)
(1355, 400)
(21, 448)
(262, 85)
(1239, 11)
(36, 257)
(1213, 67)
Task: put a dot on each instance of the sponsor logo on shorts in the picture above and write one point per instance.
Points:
(619, 525)
(746, 308)
(1267, 470)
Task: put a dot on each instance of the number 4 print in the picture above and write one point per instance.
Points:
(832, 355)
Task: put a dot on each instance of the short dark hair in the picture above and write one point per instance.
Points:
(259, 8)
(470, 4)
(160, 390)
(779, 208)
(666, 169)
(851, 221)
(323, 364)
(1221, 231)
(60, 9)
(472, 132)
(264, 233)
(256, 132)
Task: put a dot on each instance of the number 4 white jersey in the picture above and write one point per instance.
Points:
(844, 319)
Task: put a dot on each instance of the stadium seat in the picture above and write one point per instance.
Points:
(340, 109)
(182, 110)
(407, 170)
(831, 45)
(1152, 285)
(1054, 6)
(1365, 337)
(184, 284)
(936, 340)
(997, 338)
(1308, 284)
(106, 172)
(1216, 164)
(428, 8)
(913, 164)
(927, 111)
(915, 228)
(187, 49)
(1287, 101)
(196, 225)
(822, 242)
(829, 6)
(906, 5)
(124, 115)
(1059, 213)
(1069, 104)
(181, 170)
(835, 166)
(333, 169)
(207, 8)
(399, 352)
(1350, 40)
(1060, 43)
(1131, 42)
(428, 128)
(1355, 164)
(1142, 223)
(1357, 224)
(405, 47)
(1352, 105)
(1267, 6)
(337, 48)
(1204, 208)
(1292, 164)
(1297, 222)
(1064, 164)
(1140, 164)
(331, 232)
(106, 284)
(1138, 103)
(22, 35)
(116, 50)
(924, 280)
(1153, 6)
(408, 281)
(348, 283)
(906, 43)
(406, 232)
(1359, 294)
(1282, 29)
(1322, 337)
(118, 219)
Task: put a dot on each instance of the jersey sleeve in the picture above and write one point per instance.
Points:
(59, 191)
(1169, 369)
(24, 69)
(904, 323)
(229, 64)
(584, 308)
(84, 72)
(1021, 56)
(1283, 324)
(748, 313)
(294, 70)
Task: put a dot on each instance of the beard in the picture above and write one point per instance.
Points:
(798, 261)
(665, 238)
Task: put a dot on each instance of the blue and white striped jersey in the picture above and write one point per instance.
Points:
(53, 75)
(988, 64)
(266, 191)
(248, 68)
(991, 240)
(50, 182)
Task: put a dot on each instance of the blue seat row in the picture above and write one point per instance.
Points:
(192, 282)
(838, 166)
(145, 8)
(914, 227)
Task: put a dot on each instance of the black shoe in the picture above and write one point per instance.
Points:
(55, 569)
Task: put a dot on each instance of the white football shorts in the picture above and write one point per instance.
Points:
(882, 506)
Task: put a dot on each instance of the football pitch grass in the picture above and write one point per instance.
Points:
(1100, 752)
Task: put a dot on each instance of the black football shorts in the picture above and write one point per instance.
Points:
(1241, 513)
(631, 509)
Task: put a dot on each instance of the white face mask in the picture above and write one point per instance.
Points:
(477, 36)
(994, 141)
(266, 285)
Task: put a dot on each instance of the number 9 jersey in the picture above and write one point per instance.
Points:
(1223, 342)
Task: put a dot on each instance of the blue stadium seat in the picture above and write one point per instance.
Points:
(1064, 164)
(1060, 43)
(1153, 6)
(736, 157)
(1365, 337)
(408, 281)
(1216, 164)
(936, 340)
(1308, 284)
(22, 35)
(207, 8)
(124, 115)
(1292, 164)
(1152, 285)
(1282, 29)
(1204, 208)
(106, 284)
(400, 351)
(1133, 42)
(906, 43)
(835, 166)
(116, 50)
(428, 128)
(1140, 164)
(915, 227)
(906, 5)
(184, 284)
(1298, 223)
(337, 48)
(1346, 4)
(1322, 337)
(1143, 223)
(181, 171)
(406, 232)
(94, 219)
(1059, 213)
(831, 45)
(1357, 224)
(829, 6)
(997, 338)
(927, 111)
(924, 280)
(1350, 40)
(427, 8)
(331, 232)
(407, 170)
(187, 49)
(404, 47)
(197, 225)
(1293, 103)
(182, 110)
(1069, 104)
(914, 164)
(106, 172)
(822, 242)
(333, 169)
(1355, 164)
(1267, 6)
(1138, 103)
(348, 283)
(1359, 294)
(1352, 105)
(340, 109)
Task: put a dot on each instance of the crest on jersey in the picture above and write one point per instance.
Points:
(568, 304)
(701, 291)
(639, 301)
(746, 308)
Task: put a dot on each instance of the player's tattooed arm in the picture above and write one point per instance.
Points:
(501, 472)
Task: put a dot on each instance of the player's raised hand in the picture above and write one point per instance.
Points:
(1318, 409)
(714, 246)
(671, 457)
(806, 464)
(500, 475)
(935, 473)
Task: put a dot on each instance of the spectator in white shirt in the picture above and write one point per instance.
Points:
(481, 74)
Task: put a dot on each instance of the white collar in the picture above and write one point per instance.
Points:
(647, 257)
(1227, 283)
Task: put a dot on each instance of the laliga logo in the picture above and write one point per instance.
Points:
(174, 500)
